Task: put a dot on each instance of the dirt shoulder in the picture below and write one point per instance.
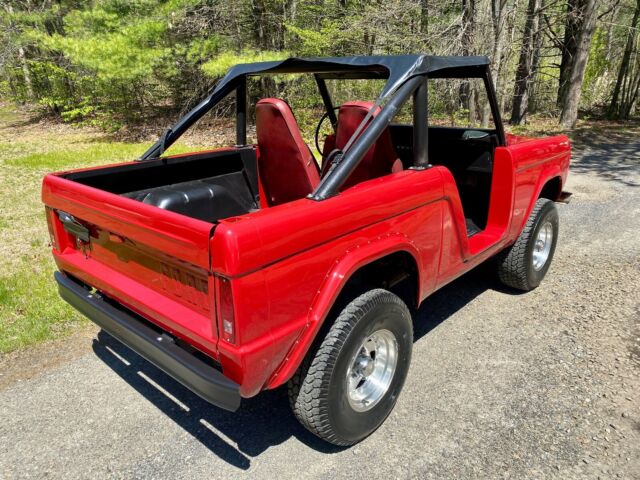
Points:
(30, 362)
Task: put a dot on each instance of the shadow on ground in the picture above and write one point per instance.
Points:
(265, 420)
(614, 156)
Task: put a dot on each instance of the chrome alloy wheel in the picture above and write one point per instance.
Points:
(542, 246)
(371, 371)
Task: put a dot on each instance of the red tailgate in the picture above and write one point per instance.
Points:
(153, 261)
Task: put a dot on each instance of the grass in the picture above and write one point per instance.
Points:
(60, 159)
(544, 126)
(30, 309)
(7, 114)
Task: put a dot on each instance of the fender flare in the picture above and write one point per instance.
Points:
(548, 174)
(336, 279)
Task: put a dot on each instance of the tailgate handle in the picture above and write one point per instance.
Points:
(74, 227)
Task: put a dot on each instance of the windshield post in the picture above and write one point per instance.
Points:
(495, 109)
(420, 127)
(326, 99)
(241, 112)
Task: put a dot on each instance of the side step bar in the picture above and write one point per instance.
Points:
(199, 377)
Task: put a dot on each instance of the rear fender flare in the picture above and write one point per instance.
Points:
(335, 280)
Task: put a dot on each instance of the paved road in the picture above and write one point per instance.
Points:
(544, 384)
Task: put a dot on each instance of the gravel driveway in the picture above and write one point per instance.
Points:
(536, 385)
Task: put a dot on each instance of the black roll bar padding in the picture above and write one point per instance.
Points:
(420, 126)
(495, 109)
(163, 141)
(336, 177)
(326, 99)
(241, 112)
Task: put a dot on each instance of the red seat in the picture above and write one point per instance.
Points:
(381, 159)
(286, 166)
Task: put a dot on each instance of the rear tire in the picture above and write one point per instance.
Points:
(346, 389)
(523, 265)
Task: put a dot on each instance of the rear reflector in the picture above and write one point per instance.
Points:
(50, 219)
(226, 318)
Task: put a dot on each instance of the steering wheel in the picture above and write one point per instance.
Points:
(325, 115)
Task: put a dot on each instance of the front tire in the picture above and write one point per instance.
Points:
(523, 265)
(346, 390)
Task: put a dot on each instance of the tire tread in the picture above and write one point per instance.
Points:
(513, 262)
(310, 384)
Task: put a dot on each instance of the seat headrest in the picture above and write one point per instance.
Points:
(276, 118)
(350, 115)
(286, 166)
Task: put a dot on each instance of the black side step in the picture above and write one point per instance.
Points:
(472, 228)
(565, 197)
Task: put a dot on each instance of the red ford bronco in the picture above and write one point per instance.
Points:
(244, 268)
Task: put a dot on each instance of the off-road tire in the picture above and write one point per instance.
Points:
(515, 264)
(318, 392)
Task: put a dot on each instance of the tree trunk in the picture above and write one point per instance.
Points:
(538, 39)
(498, 20)
(293, 10)
(257, 15)
(26, 73)
(369, 42)
(468, 94)
(574, 24)
(632, 96)
(569, 114)
(615, 110)
(525, 71)
(22, 58)
(424, 17)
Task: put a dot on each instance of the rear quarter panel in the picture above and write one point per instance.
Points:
(292, 261)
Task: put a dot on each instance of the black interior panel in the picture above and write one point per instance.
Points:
(470, 161)
(208, 186)
(209, 199)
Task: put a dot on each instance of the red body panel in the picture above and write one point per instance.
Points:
(287, 264)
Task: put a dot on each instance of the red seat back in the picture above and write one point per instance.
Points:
(286, 166)
(381, 159)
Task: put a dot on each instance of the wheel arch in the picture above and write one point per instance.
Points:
(549, 186)
(552, 188)
(396, 272)
(361, 268)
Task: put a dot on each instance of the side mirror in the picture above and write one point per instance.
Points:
(474, 135)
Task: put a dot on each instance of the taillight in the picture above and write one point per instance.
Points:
(226, 322)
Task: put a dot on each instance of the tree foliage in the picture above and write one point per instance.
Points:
(111, 62)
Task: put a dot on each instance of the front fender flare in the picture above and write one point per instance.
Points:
(549, 173)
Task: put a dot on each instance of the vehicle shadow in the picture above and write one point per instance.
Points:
(453, 297)
(265, 420)
(261, 422)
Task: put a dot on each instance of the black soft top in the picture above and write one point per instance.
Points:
(397, 68)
